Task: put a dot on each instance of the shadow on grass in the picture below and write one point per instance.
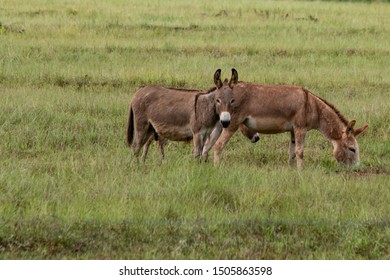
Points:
(173, 238)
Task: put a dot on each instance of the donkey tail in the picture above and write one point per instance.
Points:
(130, 128)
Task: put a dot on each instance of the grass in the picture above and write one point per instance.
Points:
(71, 189)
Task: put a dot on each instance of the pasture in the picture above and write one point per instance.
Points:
(70, 188)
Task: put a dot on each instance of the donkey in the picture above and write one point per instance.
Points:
(175, 115)
(247, 132)
(270, 109)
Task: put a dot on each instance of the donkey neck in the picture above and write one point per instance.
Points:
(205, 108)
(331, 122)
(206, 100)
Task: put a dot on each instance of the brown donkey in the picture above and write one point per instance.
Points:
(177, 115)
(247, 132)
(271, 109)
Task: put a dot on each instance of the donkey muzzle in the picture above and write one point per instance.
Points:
(225, 119)
(225, 124)
(255, 138)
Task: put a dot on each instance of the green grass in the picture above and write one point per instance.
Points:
(71, 189)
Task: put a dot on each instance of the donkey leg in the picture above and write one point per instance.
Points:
(300, 134)
(211, 140)
(146, 147)
(141, 136)
(136, 149)
(161, 142)
(291, 153)
(197, 145)
(221, 142)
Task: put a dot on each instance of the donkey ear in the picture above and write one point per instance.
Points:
(359, 130)
(234, 78)
(217, 78)
(350, 126)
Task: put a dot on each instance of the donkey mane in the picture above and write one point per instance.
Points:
(341, 117)
(210, 90)
(184, 89)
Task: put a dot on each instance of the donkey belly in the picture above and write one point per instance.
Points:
(268, 125)
(174, 133)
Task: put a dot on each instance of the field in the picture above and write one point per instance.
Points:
(71, 189)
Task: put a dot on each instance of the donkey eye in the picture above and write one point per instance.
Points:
(353, 150)
(232, 101)
(219, 101)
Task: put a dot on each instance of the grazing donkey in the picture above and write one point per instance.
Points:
(177, 115)
(271, 109)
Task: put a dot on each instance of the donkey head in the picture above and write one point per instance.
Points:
(346, 150)
(224, 96)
